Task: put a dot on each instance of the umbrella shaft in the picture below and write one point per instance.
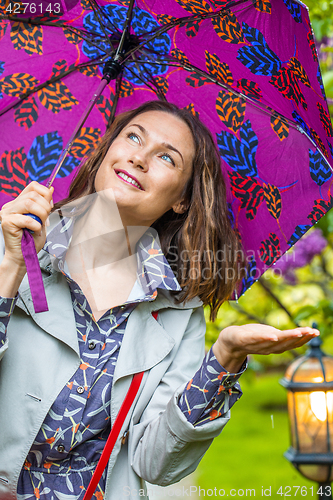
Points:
(68, 147)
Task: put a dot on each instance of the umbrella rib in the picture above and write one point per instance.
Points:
(77, 31)
(45, 84)
(125, 30)
(99, 18)
(116, 99)
(179, 22)
(269, 112)
(189, 67)
(141, 79)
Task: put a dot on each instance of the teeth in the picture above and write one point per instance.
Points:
(128, 179)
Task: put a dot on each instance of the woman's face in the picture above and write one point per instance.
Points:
(156, 151)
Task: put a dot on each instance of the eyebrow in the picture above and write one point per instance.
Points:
(166, 145)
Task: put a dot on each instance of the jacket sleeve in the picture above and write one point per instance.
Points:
(165, 446)
(6, 309)
(211, 392)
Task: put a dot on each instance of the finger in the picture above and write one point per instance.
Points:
(32, 203)
(296, 333)
(20, 221)
(40, 189)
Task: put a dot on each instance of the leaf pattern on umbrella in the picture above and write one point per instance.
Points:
(43, 155)
(286, 82)
(17, 83)
(298, 70)
(294, 9)
(263, 6)
(195, 6)
(26, 113)
(319, 170)
(280, 126)
(231, 110)
(325, 120)
(220, 70)
(320, 208)
(196, 80)
(240, 154)
(258, 57)
(270, 249)
(248, 191)
(86, 142)
(228, 28)
(249, 88)
(273, 200)
(104, 105)
(13, 175)
(27, 37)
(299, 231)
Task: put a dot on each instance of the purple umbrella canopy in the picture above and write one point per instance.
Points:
(247, 68)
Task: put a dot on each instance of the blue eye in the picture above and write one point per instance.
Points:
(133, 136)
(168, 158)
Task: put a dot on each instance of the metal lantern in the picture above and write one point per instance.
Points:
(309, 381)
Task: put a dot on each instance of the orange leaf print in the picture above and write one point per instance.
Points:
(50, 440)
(221, 375)
(84, 366)
(99, 495)
(214, 414)
(152, 251)
(47, 465)
(36, 492)
(189, 384)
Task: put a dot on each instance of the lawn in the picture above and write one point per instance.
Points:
(249, 452)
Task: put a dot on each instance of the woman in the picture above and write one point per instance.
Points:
(65, 372)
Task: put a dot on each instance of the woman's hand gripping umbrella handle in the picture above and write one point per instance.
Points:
(25, 236)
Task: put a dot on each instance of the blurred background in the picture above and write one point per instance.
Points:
(249, 452)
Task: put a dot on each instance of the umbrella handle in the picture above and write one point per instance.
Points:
(34, 217)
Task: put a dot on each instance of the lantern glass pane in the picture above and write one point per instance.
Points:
(311, 417)
(319, 473)
(292, 419)
(328, 365)
(309, 370)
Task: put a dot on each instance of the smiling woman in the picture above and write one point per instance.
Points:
(154, 183)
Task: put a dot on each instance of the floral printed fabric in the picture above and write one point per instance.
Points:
(67, 448)
(211, 392)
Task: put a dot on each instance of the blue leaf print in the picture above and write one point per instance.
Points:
(298, 119)
(330, 146)
(319, 170)
(240, 154)
(43, 155)
(250, 277)
(294, 9)
(300, 230)
(2, 67)
(320, 81)
(258, 58)
(68, 166)
(142, 23)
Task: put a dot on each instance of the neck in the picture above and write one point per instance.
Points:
(101, 235)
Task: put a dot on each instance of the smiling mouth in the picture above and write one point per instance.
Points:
(129, 180)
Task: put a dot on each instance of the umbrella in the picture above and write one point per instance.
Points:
(247, 68)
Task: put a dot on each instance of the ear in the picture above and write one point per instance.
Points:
(180, 207)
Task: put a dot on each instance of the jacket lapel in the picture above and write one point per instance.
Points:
(145, 341)
(59, 320)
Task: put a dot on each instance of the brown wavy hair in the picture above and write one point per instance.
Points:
(194, 241)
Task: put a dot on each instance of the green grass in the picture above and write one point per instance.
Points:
(249, 452)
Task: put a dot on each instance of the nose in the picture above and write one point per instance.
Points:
(139, 160)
